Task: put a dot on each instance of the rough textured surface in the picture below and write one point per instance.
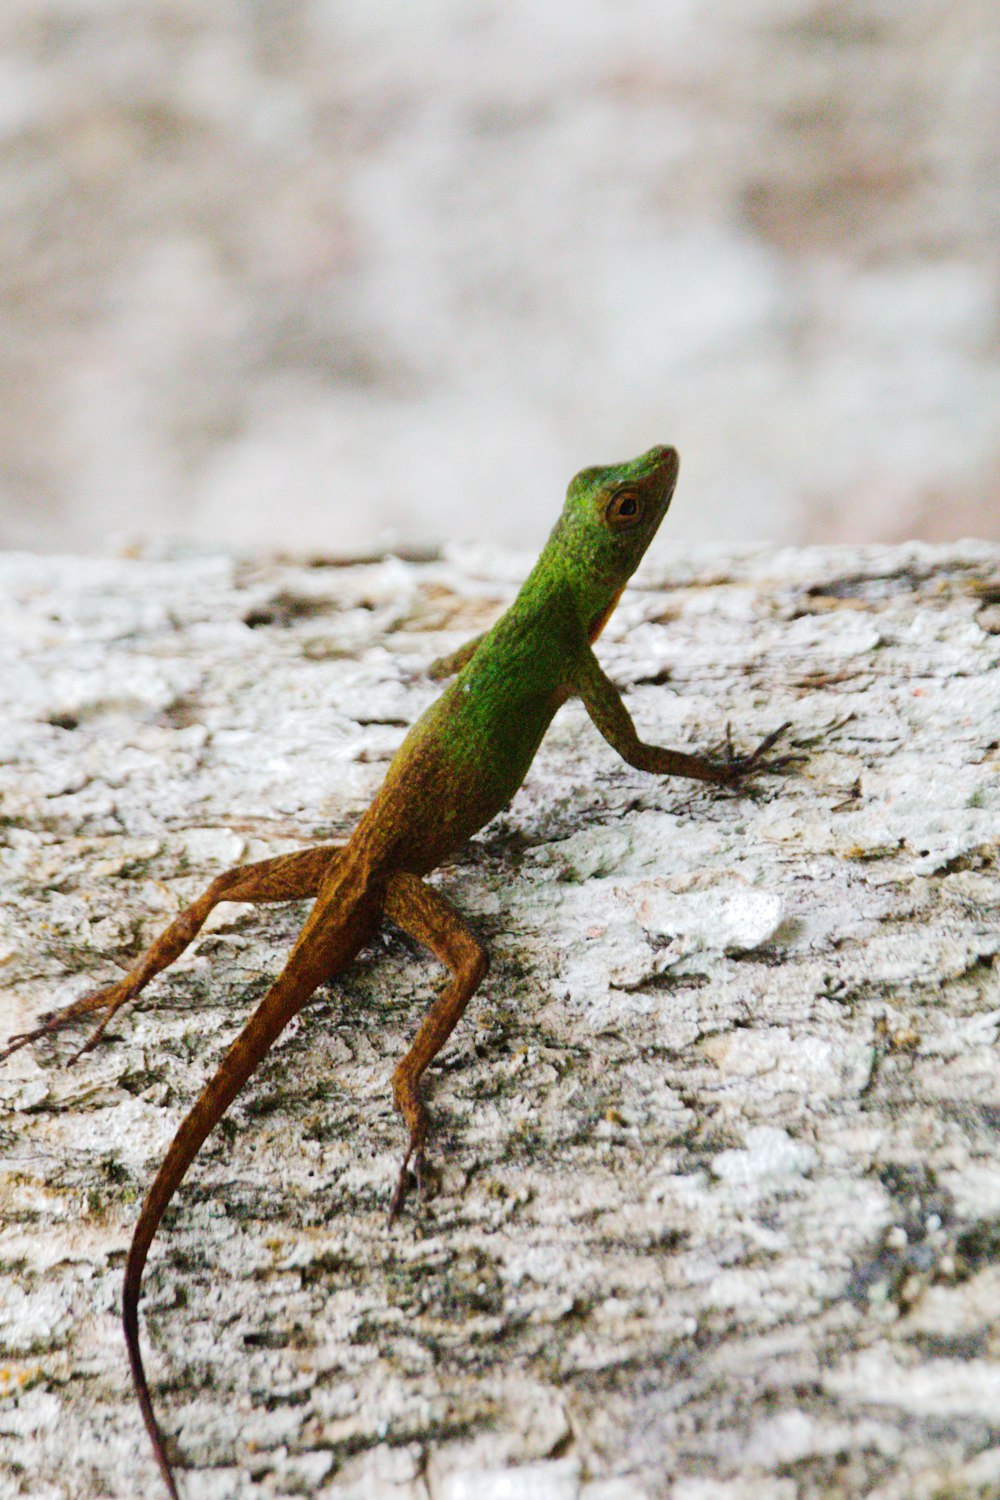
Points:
(433, 256)
(719, 1207)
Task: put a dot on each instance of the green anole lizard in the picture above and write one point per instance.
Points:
(460, 764)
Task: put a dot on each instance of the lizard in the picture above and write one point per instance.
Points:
(460, 764)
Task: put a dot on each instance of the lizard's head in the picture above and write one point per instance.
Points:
(610, 517)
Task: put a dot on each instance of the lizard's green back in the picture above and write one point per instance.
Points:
(470, 750)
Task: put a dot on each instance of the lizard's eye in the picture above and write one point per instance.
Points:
(623, 510)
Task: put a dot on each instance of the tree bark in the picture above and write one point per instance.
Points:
(717, 1210)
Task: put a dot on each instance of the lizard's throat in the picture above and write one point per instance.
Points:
(602, 617)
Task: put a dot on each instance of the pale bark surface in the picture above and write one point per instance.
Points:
(718, 1215)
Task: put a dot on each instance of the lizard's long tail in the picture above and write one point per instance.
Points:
(338, 925)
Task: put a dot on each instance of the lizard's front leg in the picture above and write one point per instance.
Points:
(447, 666)
(433, 921)
(603, 703)
(287, 877)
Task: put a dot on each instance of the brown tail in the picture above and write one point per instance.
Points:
(327, 942)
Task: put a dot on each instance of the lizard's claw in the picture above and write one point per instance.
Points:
(739, 768)
(414, 1152)
(93, 1039)
(109, 1000)
(21, 1039)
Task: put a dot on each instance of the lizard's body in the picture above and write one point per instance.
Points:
(460, 764)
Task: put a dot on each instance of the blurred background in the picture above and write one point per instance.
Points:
(313, 274)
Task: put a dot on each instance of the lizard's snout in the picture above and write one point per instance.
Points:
(665, 461)
(662, 466)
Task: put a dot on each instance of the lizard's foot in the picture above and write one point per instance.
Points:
(108, 1000)
(414, 1153)
(406, 1097)
(737, 768)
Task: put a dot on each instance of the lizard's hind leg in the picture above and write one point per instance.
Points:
(427, 916)
(288, 877)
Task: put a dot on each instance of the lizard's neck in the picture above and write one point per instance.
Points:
(565, 581)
